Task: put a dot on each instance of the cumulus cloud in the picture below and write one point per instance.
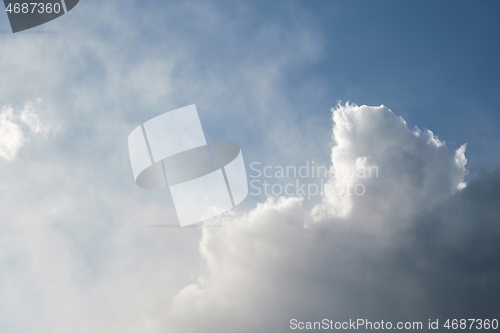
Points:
(415, 169)
(17, 128)
(417, 245)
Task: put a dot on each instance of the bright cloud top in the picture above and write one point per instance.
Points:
(17, 128)
(416, 168)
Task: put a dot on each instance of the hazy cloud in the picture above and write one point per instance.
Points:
(18, 128)
(76, 252)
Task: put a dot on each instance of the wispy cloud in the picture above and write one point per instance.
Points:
(18, 128)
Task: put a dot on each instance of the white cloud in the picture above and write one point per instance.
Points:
(415, 169)
(17, 128)
(342, 260)
(12, 137)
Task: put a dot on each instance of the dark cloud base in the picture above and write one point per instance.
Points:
(444, 265)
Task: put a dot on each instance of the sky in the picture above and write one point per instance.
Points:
(409, 87)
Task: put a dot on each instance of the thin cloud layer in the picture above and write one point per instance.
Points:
(417, 245)
(18, 128)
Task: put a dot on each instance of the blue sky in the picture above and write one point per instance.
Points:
(434, 63)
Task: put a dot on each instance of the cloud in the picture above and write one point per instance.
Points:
(16, 129)
(11, 136)
(414, 168)
(416, 245)
(76, 253)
